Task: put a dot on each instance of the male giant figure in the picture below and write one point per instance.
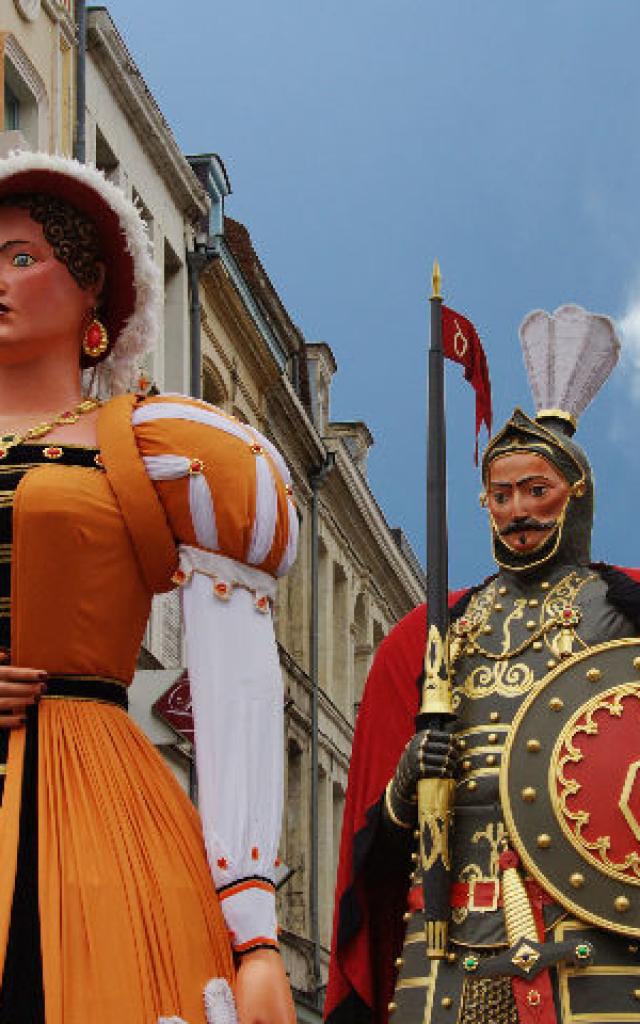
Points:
(546, 603)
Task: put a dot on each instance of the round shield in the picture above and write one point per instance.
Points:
(570, 785)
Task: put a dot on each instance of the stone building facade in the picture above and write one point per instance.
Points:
(257, 365)
(37, 68)
(227, 335)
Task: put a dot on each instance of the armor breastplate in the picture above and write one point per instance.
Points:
(512, 632)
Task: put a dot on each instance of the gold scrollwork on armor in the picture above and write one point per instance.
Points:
(519, 607)
(557, 601)
(466, 628)
(500, 677)
(557, 624)
(493, 835)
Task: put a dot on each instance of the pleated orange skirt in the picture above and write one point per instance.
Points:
(131, 926)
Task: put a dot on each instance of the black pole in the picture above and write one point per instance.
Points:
(437, 540)
(198, 259)
(317, 478)
(435, 796)
(196, 263)
(81, 82)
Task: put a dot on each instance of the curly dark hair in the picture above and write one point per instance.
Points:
(72, 236)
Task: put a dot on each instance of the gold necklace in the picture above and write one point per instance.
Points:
(63, 419)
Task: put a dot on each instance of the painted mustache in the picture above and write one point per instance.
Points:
(527, 523)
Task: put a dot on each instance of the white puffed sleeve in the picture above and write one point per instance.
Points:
(237, 697)
(228, 498)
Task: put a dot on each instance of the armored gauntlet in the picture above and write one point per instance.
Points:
(430, 754)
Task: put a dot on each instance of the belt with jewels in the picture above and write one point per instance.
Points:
(479, 896)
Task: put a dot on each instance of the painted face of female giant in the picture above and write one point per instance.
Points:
(43, 310)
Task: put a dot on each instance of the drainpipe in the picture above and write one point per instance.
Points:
(317, 478)
(197, 260)
(81, 82)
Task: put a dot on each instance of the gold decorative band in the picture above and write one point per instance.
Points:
(424, 982)
(390, 811)
(436, 933)
(557, 414)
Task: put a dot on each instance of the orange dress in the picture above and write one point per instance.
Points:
(131, 926)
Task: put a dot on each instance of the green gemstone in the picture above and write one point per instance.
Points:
(583, 951)
(470, 963)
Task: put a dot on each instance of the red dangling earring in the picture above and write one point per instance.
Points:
(96, 340)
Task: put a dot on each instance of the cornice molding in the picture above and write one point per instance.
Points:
(62, 17)
(131, 92)
(296, 425)
(223, 298)
(355, 488)
(269, 336)
(211, 339)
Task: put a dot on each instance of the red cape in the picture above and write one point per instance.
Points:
(368, 928)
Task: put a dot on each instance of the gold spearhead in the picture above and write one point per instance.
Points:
(436, 281)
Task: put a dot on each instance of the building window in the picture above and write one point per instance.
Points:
(11, 109)
(362, 649)
(340, 675)
(25, 98)
(295, 836)
(338, 812)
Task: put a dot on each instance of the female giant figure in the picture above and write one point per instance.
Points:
(109, 910)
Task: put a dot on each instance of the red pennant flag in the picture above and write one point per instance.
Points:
(461, 343)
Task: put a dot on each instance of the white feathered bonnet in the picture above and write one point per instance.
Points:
(130, 302)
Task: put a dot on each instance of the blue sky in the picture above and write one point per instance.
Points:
(363, 138)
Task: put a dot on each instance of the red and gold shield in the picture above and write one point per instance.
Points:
(570, 785)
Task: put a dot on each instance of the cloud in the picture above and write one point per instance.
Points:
(629, 327)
